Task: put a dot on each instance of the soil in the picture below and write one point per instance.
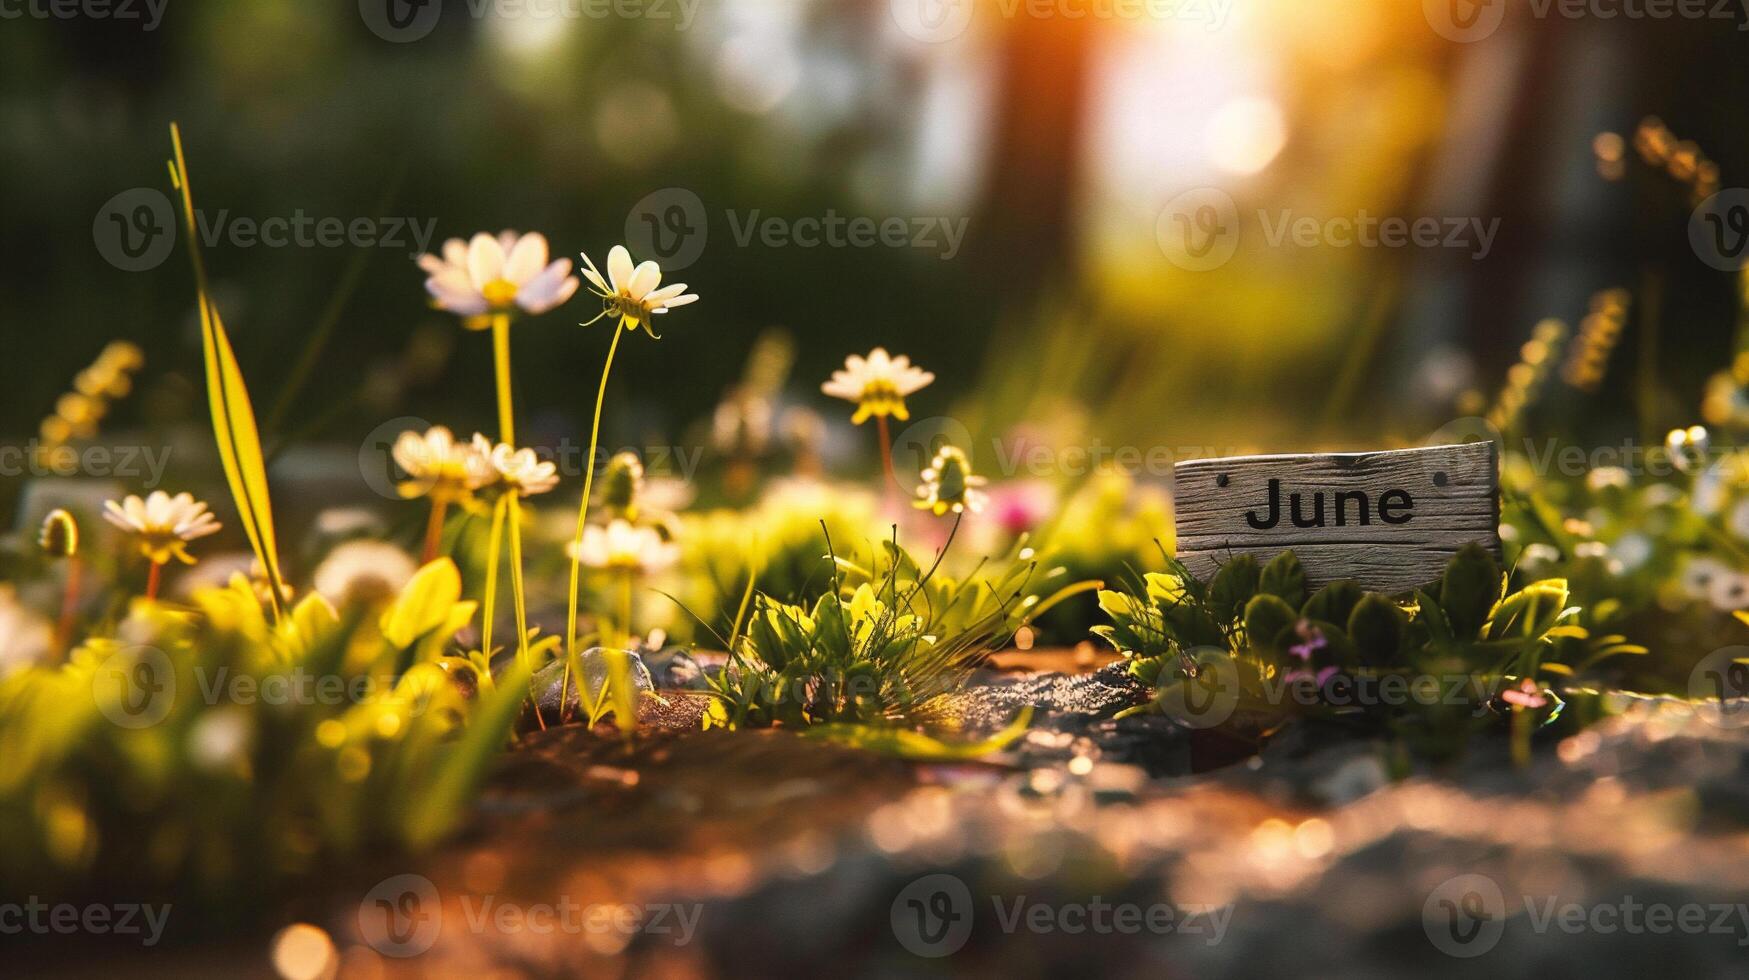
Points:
(1091, 846)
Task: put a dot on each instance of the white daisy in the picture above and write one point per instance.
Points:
(1688, 448)
(622, 547)
(1729, 592)
(949, 484)
(1700, 574)
(363, 571)
(517, 470)
(488, 275)
(25, 637)
(631, 293)
(163, 524)
(1538, 555)
(438, 464)
(878, 384)
(1739, 520)
(1608, 478)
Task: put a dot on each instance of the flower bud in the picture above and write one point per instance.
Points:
(60, 535)
(622, 482)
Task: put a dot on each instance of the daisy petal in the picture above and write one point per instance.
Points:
(485, 260)
(551, 287)
(593, 274)
(460, 302)
(619, 267)
(644, 278)
(527, 259)
(666, 293)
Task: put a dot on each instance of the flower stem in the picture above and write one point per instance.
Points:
(489, 606)
(501, 363)
(69, 606)
(520, 598)
(588, 488)
(1521, 726)
(433, 531)
(153, 578)
(939, 555)
(887, 452)
(625, 608)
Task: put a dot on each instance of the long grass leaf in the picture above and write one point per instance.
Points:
(239, 442)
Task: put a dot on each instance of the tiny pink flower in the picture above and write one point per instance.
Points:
(1311, 640)
(1525, 695)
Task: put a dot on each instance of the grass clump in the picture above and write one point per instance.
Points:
(1253, 644)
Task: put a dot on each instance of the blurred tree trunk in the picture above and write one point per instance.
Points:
(1026, 226)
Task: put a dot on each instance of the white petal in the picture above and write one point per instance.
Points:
(644, 278)
(527, 258)
(552, 286)
(679, 301)
(666, 293)
(561, 295)
(454, 280)
(468, 303)
(594, 274)
(619, 267)
(113, 513)
(485, 260)
(842, 387)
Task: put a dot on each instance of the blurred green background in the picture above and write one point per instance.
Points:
(1061, 142)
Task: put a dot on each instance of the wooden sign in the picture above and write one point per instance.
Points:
(1388, 520)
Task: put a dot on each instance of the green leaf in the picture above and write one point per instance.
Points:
(1267, 616)
(1469, 590)
(312, 620)
(831, 632)
(463, 767)
(1233, 587)
(1285, 578)
(1192, 626)
(425, 604)
(1376, 627)
(233, 416)
(1147, 669)
(1333, 603)
(1118, 605)
(1338, 646)
(1530, 612)
(1165, 588)
(1432, 615)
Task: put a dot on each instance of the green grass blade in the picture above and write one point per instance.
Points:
(234, 430)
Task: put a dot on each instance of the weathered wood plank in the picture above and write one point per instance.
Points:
(1389, 520)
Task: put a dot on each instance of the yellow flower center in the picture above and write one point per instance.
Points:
(627, 308)
(880, 398)
(500, 293)
(159, 545)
